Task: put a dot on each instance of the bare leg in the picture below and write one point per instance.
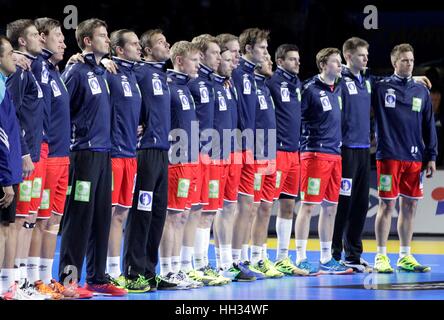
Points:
(383, 221)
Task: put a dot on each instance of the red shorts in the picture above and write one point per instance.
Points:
(288, 173)
(397, 177)
(248, 170)
(180, 185)
(201, 188)
(56, 185)
(265, 181)
(232, 179)
(214, 186)
(31, 189)
(320, 177)
(123, 180)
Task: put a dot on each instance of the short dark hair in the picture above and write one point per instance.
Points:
(323, 55)
(147, 37)
(45, 25)
(252, 36)
(223, 39)
(16, 29)
(86, 29)
(282, 50)
(3, 40)
(118, 39)
(352, 44)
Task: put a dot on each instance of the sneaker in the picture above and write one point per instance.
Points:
(382, 264)
(268, 268)
(68, 293)
(139, 285)
(287, 267)
(217, 279)
(409, 264)
(334, 267)
(309, 269)
(258, 274)
(47, 290)
(16, 293)
(32, 292)
(193, 284)
(80, 291)
(238, 272)
(169, 282)
(119, 282)
(360, 266)
(164, 283)
(105, 289)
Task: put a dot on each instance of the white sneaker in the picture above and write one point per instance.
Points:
(16, 293)
(193, 283)
(32, 292)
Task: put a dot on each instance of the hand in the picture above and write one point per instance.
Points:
(424, 80)
(22, 61)
(77, 58)
(27, 166)
(430, 169)
(110, 65)
(8, 197)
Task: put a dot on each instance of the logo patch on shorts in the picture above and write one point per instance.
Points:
(278, 178)
(257, 181)
(314, 186)
(346, 187)
(44, 205)
(385, 182)
(183, 188)
(25, 191)
(36, 188)
(214, 189)
(145, 201)
(82, 191)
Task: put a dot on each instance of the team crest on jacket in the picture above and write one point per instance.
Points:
(285, 93)
(351, 87)
(94, 83)
(157, 85)
(222, 102)
(55, 89)
(204, 95)
(247, 84)
(390, 98)
(126, 87)
(262, 102)
(183, 100)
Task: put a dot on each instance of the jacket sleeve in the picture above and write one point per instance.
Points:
(16, 85)
(5, 169)
(429, 132)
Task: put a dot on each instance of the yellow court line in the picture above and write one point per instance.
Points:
(418, 246)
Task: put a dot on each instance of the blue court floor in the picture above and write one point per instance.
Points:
(397, 286)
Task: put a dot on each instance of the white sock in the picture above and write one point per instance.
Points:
(165, 266)
(45, 270)
(7, 279)
(264, 251)
(244, 254)
(236, 253)
(283, 230)
(301, 250)
(175, 264)
(207, 245)
(404, 251)
(17, 274)
(199, 248)
(33, 269)
(326, 252)
(256, 254)
(226, 256)
(186, 255)
(382, 250)
(113, 266)
(217, 253)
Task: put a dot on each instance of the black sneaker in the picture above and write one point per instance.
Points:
(152, 281)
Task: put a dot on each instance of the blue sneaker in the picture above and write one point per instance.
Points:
(308, 267)
(334, 267)
(247, 268)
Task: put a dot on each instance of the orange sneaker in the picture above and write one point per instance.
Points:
(47, 290)
(68, 293)
(82, 292)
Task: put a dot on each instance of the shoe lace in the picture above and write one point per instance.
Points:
(410, 260)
